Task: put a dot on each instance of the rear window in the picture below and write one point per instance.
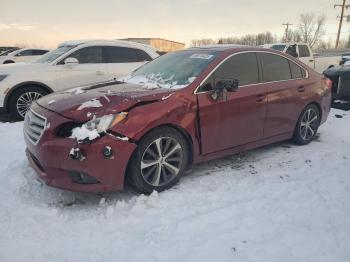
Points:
(278, 47)
(304, 51)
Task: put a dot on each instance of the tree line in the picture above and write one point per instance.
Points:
(310, 29)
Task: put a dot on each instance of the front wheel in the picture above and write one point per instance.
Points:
(159, 161)
(21, 100)
(307, 125)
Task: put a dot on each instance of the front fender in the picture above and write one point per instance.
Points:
(175, 111)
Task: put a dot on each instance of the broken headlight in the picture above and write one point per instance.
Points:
(101, 124)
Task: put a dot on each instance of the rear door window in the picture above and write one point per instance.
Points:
(116, 54)
(39, 52)
(274, 67)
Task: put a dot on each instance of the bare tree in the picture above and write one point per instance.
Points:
(204, 41)
(311, 28)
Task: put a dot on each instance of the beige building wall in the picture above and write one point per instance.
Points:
(162, 45)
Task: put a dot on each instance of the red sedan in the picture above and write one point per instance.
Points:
(183, 108)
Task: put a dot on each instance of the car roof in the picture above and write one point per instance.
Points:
(149, 49)
(230, 48)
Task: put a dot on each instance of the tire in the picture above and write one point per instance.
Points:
(307, 125)
(21, 99)
(148, 171)
(9, 62)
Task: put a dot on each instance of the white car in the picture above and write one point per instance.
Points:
(72, 64)
(22, 55)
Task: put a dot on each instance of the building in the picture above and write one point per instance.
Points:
(160, 44)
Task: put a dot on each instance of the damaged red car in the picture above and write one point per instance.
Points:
(181, 109)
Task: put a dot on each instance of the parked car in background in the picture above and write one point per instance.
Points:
(4, 49)
(22, 55)
(304, 53)
(73, 63)
(185, 107)
(340, 76)
(344, 58)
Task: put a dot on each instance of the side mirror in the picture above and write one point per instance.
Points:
(229, 85)
(71, 61)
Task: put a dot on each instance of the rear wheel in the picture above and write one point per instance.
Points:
(21, 100)
(159, 161)
(307, 125)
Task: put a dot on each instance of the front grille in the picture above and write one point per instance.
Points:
(34, 126)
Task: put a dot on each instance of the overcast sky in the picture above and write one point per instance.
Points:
(45, 23)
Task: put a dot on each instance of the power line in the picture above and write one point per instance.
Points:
(343, 6)
(287, 29)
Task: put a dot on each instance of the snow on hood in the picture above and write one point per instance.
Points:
(155, 81)
(101, 99)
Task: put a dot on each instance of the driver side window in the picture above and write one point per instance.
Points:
(243, 67)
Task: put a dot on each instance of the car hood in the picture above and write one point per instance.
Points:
(83, 103)
(337, 71)
(21, 67)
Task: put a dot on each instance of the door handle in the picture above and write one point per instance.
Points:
(99, 73)
(301, 89)
(311, 60)
(260, 97)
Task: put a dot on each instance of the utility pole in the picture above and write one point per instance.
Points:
(286, 30)
(343, 6)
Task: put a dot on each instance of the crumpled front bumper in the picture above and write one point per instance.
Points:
(50, 159)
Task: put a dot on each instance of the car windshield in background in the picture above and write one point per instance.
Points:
(54, 54)
(278, 47)
(174, 70)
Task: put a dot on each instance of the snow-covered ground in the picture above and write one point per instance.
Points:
(278, 203)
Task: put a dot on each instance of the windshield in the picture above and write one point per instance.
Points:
(278, 47)
(54, 54)
(173, 70)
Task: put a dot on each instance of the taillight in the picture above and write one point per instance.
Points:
(327, 83)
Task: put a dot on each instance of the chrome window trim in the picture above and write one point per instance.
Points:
(242, 52)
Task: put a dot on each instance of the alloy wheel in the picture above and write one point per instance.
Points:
(309, 124)
(161, 161)
(25, 101)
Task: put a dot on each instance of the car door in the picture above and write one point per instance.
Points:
(91, 68)
(305, 56)
(238, 118)
(123, 60)
(283, 80)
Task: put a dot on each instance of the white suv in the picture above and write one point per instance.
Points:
(73, 63)
(22, 55)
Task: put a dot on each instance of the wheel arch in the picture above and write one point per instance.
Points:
(183, 132)
(9, 62)
(28, 83)
(305, 106)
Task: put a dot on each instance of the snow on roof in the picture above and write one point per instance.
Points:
(223, 46)
(111, 42)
